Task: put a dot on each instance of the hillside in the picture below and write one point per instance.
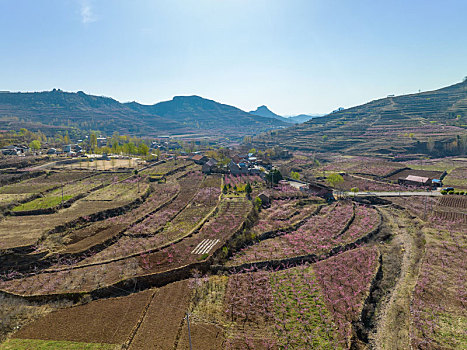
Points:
(55, 110)
(433, 122)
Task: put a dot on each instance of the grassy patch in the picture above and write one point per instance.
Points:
(36, 344)
(42, 203)
(302, 311)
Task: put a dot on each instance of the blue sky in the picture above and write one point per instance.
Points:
(295, 56)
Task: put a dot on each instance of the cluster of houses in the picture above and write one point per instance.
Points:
(238, 165)
(15, 150)
(73, 150)
(165, 145)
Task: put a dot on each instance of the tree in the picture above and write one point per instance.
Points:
(116, 147)
(274, 176)
(35, 145)
(66, 139)
(143, 149)
(295, 175)
(248, 189)
(93, 141)
(258, 203)
(354, 190)
(334, 179)
(224, 189)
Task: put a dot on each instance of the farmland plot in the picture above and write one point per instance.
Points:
(171, 223)
(108, 321)
(87, 278)
(157, 330)
(335, 226)
(440, 322)
(44, 182)
(304, 307)
(457, 178)
(95, 233)
(451, 208)
(26, 230)
(66, 192)
(282, 214)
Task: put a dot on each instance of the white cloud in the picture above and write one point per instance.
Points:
(87, 14)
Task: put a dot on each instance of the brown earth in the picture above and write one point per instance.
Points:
(89, 236)
(102, 321)
(161, 325)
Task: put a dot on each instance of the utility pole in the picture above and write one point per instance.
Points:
(425, 207)
(189, 332)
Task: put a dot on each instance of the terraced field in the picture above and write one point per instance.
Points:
(424, 123)
(301, 274)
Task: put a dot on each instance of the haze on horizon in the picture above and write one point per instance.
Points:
(295, 56)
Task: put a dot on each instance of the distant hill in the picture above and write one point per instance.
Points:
(60, 110)
(55, 110)
(209, 116)
(264, 111)
(433, 122)
(302, 118)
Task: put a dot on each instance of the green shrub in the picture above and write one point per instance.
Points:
(203, 257)
(444, 192)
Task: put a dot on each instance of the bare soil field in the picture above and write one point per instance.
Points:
(101, 164)
(161, 325)
(102, 321)
(451, 208)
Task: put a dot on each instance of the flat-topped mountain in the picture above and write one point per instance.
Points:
(433, 122)
(54, 110)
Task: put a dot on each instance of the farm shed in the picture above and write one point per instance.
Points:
(199, 159)
(265, 200)
(321, 191)
(414, 180)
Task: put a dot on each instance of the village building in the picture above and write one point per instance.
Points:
(199, 159)
(265, 200)
(412, 180)
(210, 166)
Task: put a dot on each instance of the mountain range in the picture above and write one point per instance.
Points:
(432, 122)
(56, 110)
